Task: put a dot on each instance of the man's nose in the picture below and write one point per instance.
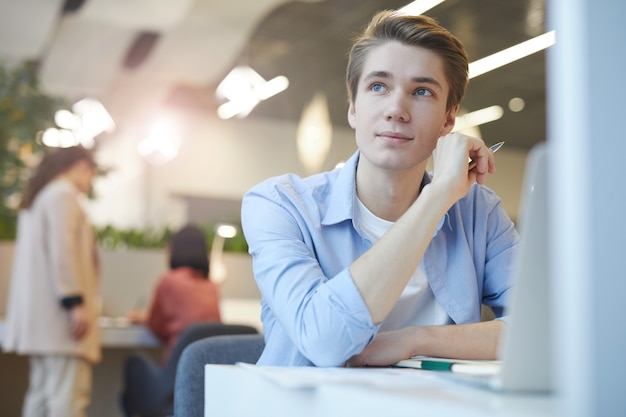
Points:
(397, 108)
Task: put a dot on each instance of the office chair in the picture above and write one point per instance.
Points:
(223, 350)
(148, 387)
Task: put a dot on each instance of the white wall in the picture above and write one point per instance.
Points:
(129, 276)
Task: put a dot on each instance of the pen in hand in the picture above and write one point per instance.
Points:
(492, 148)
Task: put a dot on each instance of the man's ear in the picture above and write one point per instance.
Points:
(449, 122)
(351, 116)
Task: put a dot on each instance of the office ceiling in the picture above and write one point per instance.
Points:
(137, 56)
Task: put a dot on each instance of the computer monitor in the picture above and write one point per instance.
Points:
(526, 348)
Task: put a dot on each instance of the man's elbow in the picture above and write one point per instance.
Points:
(329, 351)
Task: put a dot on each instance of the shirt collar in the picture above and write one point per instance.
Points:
(342, 198)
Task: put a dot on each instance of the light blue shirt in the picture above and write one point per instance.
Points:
(301, 236)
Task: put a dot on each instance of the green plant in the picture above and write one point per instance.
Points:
(25, 111)
(112, 238)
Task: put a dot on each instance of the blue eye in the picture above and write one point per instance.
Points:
(377, 88)
(423, 92)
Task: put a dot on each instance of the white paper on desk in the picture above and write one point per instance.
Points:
(104, 321)
(308, 377)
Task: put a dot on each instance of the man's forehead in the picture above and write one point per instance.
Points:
(397, 60)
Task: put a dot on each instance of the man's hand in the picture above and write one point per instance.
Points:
(451, 157)
(386, 349)
(79, 322)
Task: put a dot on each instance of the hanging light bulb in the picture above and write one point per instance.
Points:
(314, 135)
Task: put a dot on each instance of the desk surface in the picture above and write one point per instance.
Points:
(366, 392)
(116, 334)
(127, 335)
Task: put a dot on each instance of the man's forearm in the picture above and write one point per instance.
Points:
(462, 341)
(382, 272)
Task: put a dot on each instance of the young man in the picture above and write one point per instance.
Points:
(380, 261)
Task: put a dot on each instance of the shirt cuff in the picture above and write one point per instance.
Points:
(71, 301)
(343, 288)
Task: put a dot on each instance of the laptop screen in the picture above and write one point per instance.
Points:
(526, 349)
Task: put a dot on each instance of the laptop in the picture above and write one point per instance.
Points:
(525, 351)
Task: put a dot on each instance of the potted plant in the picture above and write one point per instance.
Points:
(25, 111)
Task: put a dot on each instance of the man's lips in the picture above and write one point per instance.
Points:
(393, 136)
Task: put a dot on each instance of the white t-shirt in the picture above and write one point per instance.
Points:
(417, 305)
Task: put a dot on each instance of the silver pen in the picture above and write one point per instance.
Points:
(492, 148)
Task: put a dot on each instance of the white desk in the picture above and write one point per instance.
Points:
(119, 333)
(238, 391)
(116, 333)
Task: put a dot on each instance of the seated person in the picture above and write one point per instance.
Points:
(381, 260)
(185, 294)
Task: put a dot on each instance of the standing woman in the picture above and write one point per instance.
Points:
(54, 296)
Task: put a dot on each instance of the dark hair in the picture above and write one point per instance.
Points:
(53, 164)
(419, 31)
(188, 248)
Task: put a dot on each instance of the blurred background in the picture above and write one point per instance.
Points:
(189, 103)
(194, 101)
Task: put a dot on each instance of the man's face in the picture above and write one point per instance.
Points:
(400, 109)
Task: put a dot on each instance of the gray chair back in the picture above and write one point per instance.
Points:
(220, 350)
(148, 388)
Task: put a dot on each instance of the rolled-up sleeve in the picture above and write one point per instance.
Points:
(500, 246)
(304, 279)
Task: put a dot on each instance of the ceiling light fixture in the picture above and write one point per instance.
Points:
(418, 7)
(245, 88)
(223, 231)
(80, 126)
(516, 104)
(59, 138)
(477, 118)
(162, 144)
(508, 55)
(94, 119)
(315, 133)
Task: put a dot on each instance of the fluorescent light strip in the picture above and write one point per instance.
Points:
(506, 56)
(245, 88)
(418, 7)
(272, 87)
(478, 117)
(241, 107)
(497, 60)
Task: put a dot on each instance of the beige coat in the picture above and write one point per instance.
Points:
(55, 257)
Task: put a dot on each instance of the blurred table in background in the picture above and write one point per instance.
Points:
(119, 339)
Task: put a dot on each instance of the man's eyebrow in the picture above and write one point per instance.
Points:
(427, 80)
(377, 74)
(419, 80)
